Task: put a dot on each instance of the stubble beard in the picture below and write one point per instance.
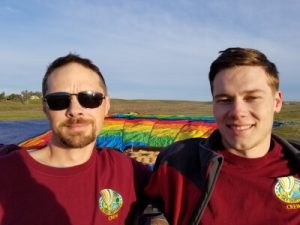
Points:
(76, 139)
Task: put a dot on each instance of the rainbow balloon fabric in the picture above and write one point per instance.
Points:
(121, 131)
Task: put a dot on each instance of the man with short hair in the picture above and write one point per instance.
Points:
(242, 173)
(69, 181)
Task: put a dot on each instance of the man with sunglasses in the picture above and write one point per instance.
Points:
(69, 181)
(242, 173)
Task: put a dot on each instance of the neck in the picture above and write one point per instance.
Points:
(250, 149)
(59, 156)
(252, 152)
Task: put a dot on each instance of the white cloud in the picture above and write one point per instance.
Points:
(157, 48)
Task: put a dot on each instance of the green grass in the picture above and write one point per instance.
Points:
(33, 110)
(17, 111)
(290, 112)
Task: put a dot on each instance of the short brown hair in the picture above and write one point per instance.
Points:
(232, 57)
(71, 58)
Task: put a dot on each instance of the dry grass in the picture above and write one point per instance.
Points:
(188, 108)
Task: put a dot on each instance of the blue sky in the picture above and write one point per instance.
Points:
(158, 49)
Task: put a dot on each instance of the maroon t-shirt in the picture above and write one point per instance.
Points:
(102, 191)
(256, 191)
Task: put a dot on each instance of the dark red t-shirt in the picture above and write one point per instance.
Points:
(256, 191)
(101, 191)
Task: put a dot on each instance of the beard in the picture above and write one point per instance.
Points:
(78, 139)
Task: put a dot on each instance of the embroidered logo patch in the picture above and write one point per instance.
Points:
(110, 202)
(287, 189)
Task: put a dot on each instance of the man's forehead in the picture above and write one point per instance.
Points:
(74, 79)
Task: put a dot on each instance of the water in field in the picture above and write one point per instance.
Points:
(14, 132)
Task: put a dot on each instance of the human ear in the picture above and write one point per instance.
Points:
(107, 104)
(278, 101)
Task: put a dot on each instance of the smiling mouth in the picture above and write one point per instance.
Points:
(240, 127)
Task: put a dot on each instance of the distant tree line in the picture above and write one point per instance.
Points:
(24, 97)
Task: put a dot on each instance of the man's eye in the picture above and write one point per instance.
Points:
(223, 100)
(251, 98)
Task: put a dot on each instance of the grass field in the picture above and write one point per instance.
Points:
(33, 110)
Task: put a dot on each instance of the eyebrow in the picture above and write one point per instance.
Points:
(255, 91)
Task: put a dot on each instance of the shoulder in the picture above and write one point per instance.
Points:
(180, 148)
(118, 162)
(190, 158)
(6, 149)
(11, 165)
(193, 147)
(120, 159)
(112, 154)
(295, 143)
(184, 149)
(9, 157)
(185, 155)
(291, 147)
(290, 144)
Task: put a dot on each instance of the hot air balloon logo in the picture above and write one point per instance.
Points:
(287, 189)
(110, 202)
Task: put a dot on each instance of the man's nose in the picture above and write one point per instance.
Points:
(238, 108)
(74, 109)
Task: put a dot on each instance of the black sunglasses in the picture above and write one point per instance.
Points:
(62, 100)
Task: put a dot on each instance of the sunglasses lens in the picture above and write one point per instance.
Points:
(61, 100)
(58, 101)
(90, 99)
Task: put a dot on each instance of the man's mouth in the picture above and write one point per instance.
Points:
(240, 127)
(76, 123)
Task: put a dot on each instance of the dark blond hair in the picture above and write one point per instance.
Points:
(71, 58)
(232, 57)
